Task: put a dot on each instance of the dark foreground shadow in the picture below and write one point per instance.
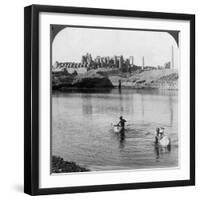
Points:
(84, 90)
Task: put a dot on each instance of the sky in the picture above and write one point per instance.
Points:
(72, 42)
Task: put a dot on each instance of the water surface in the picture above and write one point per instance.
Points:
(82, 131)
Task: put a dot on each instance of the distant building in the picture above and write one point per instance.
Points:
(143, 65)
(121, 62)
(131, 60)
(56, 64)
(84, 60)
(167, 65)
(115, 62)
(89, 58)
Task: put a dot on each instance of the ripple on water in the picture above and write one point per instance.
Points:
(82, 132)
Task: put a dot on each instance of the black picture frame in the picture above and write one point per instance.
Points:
(31, 98)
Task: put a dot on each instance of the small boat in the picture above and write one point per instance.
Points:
(117, 128)
(165, 141)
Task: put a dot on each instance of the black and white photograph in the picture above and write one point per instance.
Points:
(114, 99)
(98, 100)
(109, 99)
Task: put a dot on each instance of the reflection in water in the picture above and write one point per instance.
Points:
(120, 90)
(121, 138)
(159, 150)
(81, 130)
(121, 102)
(142, 102)
(171, 110)
(87, 104)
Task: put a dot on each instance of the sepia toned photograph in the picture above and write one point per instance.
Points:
(114, 99)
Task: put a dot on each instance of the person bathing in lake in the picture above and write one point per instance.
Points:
(122, 122)
(159, 134)
(162, 134)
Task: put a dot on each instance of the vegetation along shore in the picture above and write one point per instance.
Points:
(59, 165)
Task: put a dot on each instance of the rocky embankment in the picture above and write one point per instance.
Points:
(89, 80)
(158, 79)
(61, 166)
(92, 79)
(62, 80)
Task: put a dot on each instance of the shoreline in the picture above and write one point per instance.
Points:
(59, 165)
(155, 79)
(64, 89)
